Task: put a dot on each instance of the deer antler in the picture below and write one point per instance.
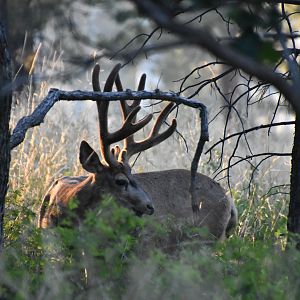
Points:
(154, 137)
(128, 128)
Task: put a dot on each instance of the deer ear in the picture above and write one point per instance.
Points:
(89, 159)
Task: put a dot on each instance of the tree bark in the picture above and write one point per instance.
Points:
(3, 13)
(5, 108)
(293, 224)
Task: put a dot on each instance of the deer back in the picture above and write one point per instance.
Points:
(169, 191)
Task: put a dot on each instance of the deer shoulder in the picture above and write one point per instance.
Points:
(169, 191)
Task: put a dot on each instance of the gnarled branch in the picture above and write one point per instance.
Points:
(55, 95)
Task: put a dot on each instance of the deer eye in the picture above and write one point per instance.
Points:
(122, 182)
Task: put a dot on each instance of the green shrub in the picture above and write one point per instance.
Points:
(113, 254)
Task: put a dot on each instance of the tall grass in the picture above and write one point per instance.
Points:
(121, 256)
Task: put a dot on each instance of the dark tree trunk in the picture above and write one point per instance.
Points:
(3, 14)
(15, 36)
(5, 108)
(293, 224)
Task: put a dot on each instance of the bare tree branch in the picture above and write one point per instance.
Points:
(249, 130)
(195, 162)
(249, 157)
(55, 95)
(203, 38)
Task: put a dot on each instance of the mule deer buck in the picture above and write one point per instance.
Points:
(162, 193)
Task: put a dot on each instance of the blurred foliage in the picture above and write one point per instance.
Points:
(113, 254)
(67, 27)
(25, 21)
(252, 45)
(251, 20)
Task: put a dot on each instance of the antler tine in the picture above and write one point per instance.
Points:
(154, 137)
(127, 109)
(102, 107)
(95, 78)
(124, 105)
(141, 87)
(129, 113)
(161, 118)
(128, 128)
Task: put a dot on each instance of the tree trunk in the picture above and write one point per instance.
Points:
(293, 224)
(3, 14)
(5, 108)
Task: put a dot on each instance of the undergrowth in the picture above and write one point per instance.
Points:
(116, 255)
(113, 254)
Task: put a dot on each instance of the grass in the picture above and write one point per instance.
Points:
(119, 255)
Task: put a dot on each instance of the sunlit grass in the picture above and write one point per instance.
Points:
(157, 262)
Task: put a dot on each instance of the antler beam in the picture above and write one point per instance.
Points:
(154, 137)
(128, 127)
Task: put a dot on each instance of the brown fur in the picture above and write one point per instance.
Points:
(169, 191)
(57, 197)
(88, 191)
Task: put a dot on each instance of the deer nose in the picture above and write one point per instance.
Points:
(150, 208)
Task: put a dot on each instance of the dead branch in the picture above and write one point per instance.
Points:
(202, 84)
(247, 131)
(249, 157)
(55, 95)
(195, 162)
(203, 38)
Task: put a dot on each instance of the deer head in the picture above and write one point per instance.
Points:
(113, 172)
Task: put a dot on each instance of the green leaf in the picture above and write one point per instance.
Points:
(268, 54)
(73, 204)
(250, 44)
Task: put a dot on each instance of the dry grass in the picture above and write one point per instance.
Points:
(46, 152)
(51, 150)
